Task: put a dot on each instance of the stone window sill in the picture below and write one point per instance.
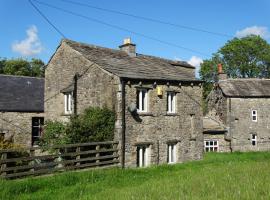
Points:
(66, 114)
(145, 114)
(172, 114)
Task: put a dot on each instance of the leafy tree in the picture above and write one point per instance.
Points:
(246, 57)
(22, 67)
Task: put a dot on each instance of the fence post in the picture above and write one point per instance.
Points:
(115, 153)
(97, 154)
(32, 162)
(3, 165)
(78, 157)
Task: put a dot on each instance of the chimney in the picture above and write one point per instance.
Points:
(221, 75)
(128, 47)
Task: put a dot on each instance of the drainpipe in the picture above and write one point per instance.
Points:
(123, 94)
(75, 93)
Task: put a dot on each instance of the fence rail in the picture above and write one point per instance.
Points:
(36, 161)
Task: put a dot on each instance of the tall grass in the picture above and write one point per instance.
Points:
(218, 176)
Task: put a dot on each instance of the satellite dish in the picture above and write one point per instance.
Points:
(132, 108)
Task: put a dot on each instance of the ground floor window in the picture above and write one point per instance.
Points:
(37, 128)
(210, 145)
(171, 153)
(143, 156)
(253, 139)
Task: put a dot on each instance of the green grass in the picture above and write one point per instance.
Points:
(218, 176)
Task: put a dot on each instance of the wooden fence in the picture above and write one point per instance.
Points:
(36, 161)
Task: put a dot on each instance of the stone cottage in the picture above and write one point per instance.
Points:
(157, 101)
(239, 115)
(21, 109)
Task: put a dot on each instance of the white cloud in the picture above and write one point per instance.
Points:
(254, 30)
(196, 62)
(31, 45)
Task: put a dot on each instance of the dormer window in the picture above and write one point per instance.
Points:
(142, 100)
(68, 103)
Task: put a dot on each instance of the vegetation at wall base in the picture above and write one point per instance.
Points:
(218, 176)
(93, 125)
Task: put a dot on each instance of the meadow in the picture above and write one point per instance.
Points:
(217, 176)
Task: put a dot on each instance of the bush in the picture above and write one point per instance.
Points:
(55, 133)
(94, 124)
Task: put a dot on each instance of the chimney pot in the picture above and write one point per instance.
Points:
(221, 74)
(220, 70)
(128, 47)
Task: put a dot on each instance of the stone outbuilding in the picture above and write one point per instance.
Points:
(157, 101)
(241, 110)
(21, 109)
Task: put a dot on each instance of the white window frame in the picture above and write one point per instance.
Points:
(253, 139)
(143, 156)
(68, 103)
(254, 113)
(172, 153)
(142, 100)
(171, 102)
(210, 145)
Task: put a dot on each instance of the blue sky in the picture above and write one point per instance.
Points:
(24, 33)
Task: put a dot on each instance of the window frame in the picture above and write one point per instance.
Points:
(143, 155)
(40, 125)
(171, 153)
(142, 101)
(254, 113)
(68, 102)
(171, 102)
(254, 139)
(211, 147)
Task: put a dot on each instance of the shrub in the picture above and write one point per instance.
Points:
(55, 133)
(94, 124)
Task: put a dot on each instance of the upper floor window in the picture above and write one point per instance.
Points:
(142, 100)
(254, 115)
(68, 103)
(171, 108)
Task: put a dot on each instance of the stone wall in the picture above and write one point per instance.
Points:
(18, 124)
(158, 128)
(242, 125)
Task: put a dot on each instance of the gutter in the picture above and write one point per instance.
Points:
(123, 130)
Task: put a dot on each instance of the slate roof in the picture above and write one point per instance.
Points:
(141, 66)
(252, 87)
(21, 94)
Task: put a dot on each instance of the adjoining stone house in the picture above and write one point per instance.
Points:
(157, 101)
(239, 115)
(21, 109)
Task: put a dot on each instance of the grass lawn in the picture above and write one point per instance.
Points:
(218, 176)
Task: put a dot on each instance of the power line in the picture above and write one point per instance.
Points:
(149, 19)
(121, 28)
(42, 15)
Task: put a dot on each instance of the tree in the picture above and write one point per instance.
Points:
(247, 57)
(22, 67)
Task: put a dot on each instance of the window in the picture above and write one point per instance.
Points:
(171, 102)
(142, 100)
(254, 115)
(171, 153)
(210, 145)
(68, 103)
(37, 128)
(253, 139)
(142, 156)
